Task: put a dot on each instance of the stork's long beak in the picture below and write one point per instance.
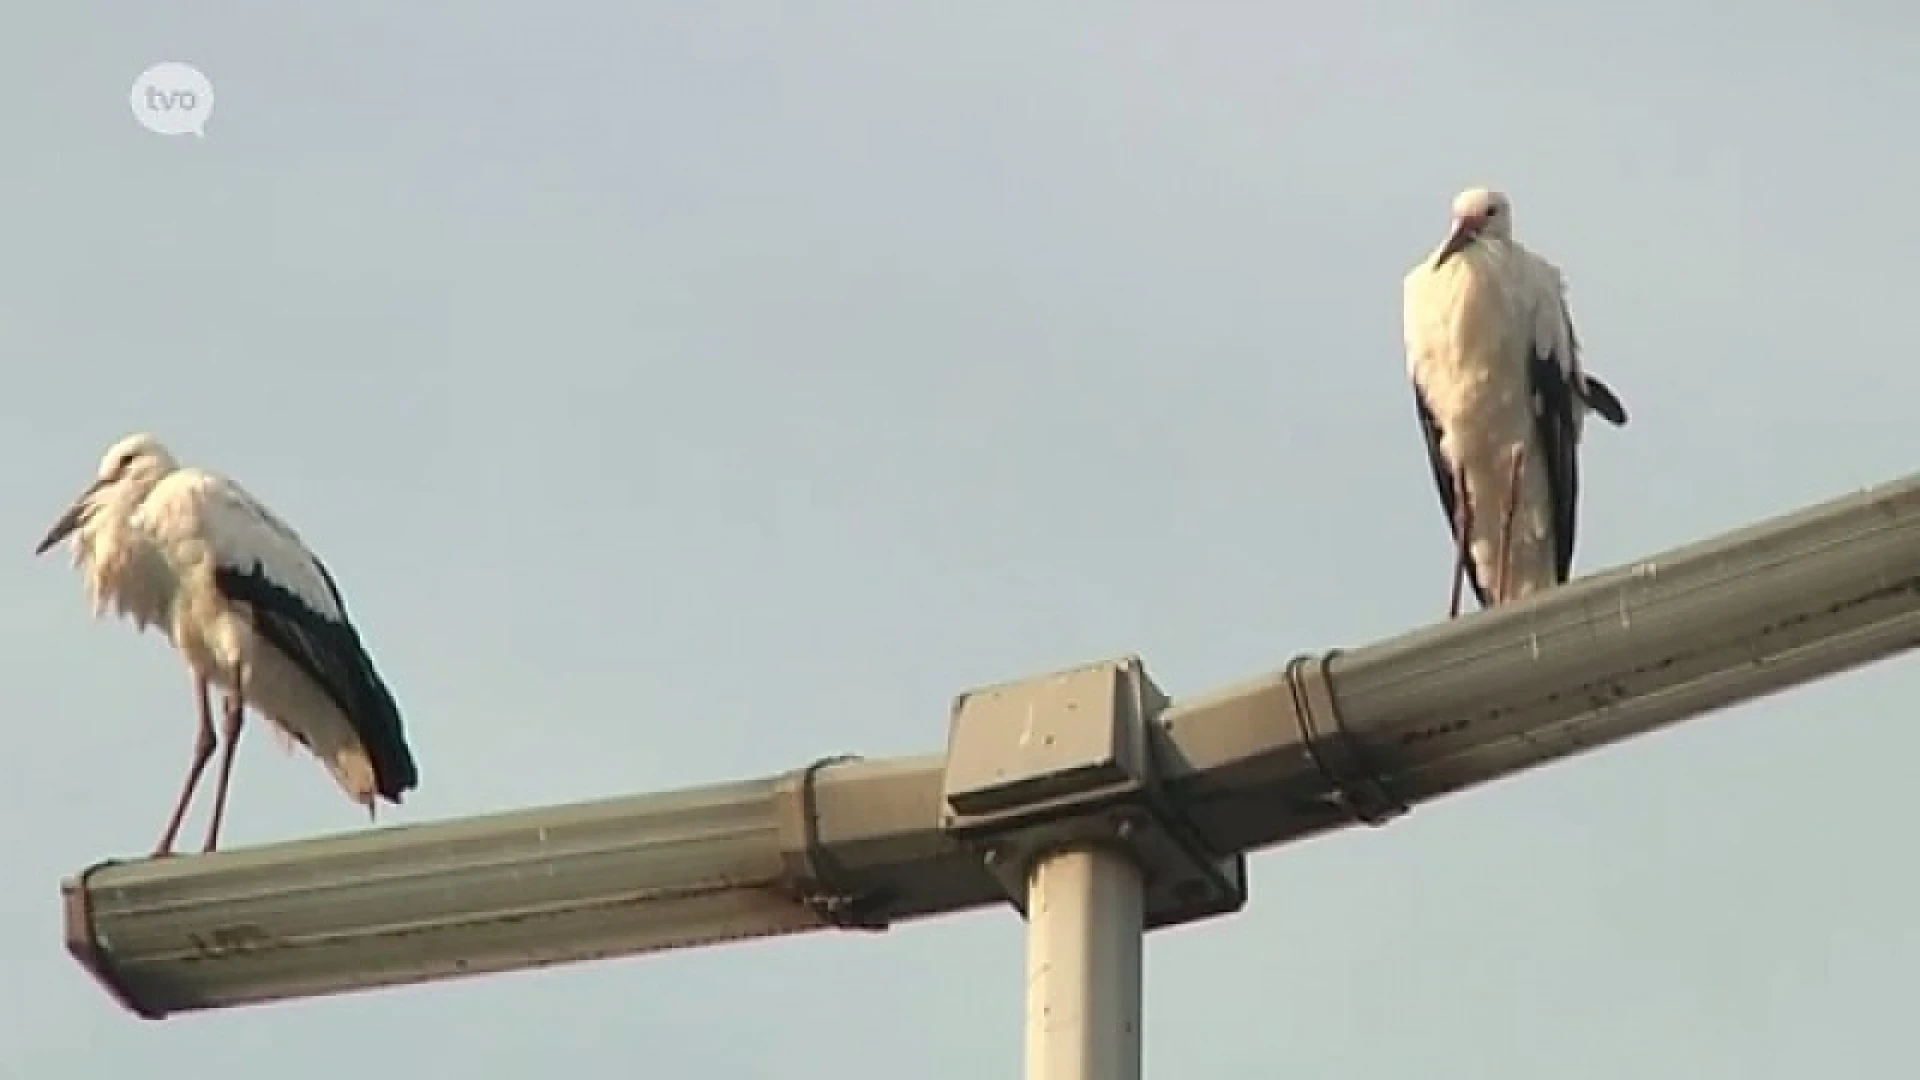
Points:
(1464, 232)
(71, 519)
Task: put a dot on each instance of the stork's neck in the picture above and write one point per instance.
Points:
(1486, 253)
(113, 506)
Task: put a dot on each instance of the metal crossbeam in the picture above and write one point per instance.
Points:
(1040, 792)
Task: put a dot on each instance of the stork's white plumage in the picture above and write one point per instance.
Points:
(1501, 394)
(251, 609)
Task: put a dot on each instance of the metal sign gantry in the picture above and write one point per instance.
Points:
(1085, 798)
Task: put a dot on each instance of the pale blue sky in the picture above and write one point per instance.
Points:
(683, 391)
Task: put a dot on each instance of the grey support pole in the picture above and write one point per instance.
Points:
(1054, 782)
(1085, 926)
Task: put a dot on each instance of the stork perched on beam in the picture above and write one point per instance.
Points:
(1502, 397)
(249, 607)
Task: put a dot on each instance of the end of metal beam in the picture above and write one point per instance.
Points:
(1069, 758)
(387, 907)
(92, 954)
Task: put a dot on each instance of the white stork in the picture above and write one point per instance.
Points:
(1497, 379)
(251, 609)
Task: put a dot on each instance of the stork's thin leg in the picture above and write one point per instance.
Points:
(1506, 524)
(235, 712)
(202, 753)
(1462, 537)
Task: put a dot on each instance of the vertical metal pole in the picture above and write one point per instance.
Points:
(1084, 930)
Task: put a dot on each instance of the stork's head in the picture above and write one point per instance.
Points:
(1477, 212)
(128, 471)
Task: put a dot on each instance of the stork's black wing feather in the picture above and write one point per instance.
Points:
(1443, 482)
(1553, 405)
(329, 652)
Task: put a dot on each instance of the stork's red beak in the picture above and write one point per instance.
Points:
(71, 519)
(1464, 232)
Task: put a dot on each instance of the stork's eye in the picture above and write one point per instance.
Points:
(126, 462)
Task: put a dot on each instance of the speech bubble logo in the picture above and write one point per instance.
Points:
(172, 98)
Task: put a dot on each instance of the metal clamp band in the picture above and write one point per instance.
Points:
(1357, 786)
(815, 877)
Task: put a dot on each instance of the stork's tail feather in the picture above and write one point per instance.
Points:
(376, 716)
(1601, 399)
(393, 767)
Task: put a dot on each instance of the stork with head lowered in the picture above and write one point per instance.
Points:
(249, 607)
(1502, 397)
